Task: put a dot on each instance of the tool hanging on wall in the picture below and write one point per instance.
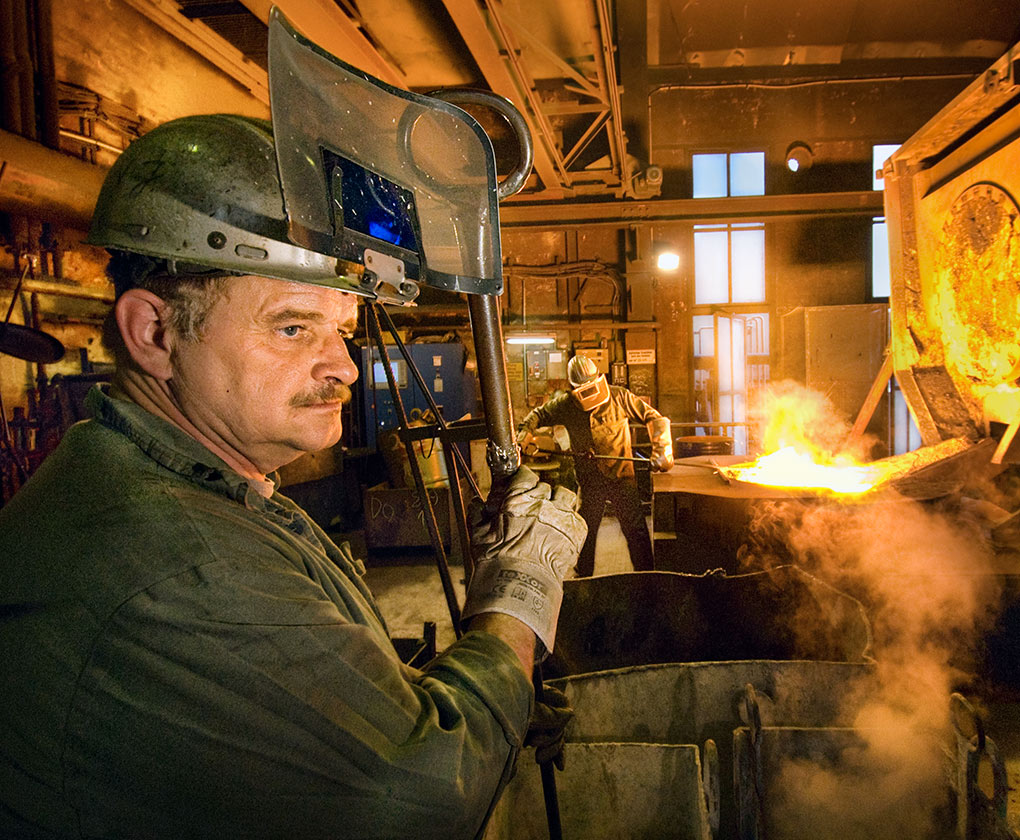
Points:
(22, 442)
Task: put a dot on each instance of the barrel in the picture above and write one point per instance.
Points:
(687, 446)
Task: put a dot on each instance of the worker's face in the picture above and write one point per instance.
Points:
(267, 377)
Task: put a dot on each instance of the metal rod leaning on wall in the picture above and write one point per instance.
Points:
(451, 454)
(427, 509)
(423, 388)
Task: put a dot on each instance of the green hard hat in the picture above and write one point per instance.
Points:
(205, 191)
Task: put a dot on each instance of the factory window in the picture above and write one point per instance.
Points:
(729, 263)
(880, 273)
(731, 346)
(728, 174)
(879, 155)
(731, 363)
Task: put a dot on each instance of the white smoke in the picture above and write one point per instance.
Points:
(923, 572)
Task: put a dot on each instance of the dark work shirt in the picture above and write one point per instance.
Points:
(184, 658)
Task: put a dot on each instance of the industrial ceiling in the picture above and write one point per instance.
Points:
(581, 70)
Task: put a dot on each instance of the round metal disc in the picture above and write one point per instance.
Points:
(29, 344)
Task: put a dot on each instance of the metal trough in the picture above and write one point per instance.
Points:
(663, 712)
(641, 618)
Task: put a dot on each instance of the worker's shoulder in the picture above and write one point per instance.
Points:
(623, 390)
(619, 395)
(561, 398)
(625, 394)
(556, 404)
(93, 469)
(101, 504)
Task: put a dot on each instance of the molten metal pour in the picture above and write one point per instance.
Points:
(841, 475)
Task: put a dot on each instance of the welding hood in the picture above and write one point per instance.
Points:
(398, 187)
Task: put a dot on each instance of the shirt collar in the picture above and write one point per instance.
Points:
(173, 448)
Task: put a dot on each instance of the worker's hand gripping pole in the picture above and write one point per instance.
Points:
(504, 457)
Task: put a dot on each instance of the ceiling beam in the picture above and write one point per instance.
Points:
(513, 214)
(467, 17)
(212, 47)
(325, 25)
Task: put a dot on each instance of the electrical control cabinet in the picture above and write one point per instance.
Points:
(442, 366)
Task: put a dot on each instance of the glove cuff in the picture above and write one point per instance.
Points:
(528, 591)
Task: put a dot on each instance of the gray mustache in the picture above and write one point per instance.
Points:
(330, 392)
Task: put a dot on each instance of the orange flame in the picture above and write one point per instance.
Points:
(790, 467)
(806, 448)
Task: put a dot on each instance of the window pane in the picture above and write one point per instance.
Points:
(747, 173)
(880, 274)
(740, 433)
(711, 266)
(879, 155)
(726, 409)
(709, 175)
(704, 335)
(738, 360)
(739, 407)
(757, 333)
(725, 359)
(748, 266)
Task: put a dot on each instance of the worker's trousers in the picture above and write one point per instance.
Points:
(626, 499)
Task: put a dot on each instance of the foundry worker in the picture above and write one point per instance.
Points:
(597, 418)
(185, 653)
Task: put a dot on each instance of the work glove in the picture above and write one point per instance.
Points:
(547, 729)
(527, 441)
(662, 444)
(524, 539)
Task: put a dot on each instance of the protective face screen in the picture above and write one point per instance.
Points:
(592, 394)
(366, 165)
(369, 204)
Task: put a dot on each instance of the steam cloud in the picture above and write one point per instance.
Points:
(922, 571)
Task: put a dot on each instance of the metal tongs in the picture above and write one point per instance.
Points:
(583, 456)
(715, 467)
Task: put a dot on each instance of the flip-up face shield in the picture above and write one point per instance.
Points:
(400, 188)
(592, 394)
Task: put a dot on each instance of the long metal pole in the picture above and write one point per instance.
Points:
(504, 457)
(502, 452)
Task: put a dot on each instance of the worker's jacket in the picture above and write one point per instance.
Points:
(604, 430)
(185, 658)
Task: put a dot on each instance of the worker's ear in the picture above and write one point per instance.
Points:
(140, 318)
